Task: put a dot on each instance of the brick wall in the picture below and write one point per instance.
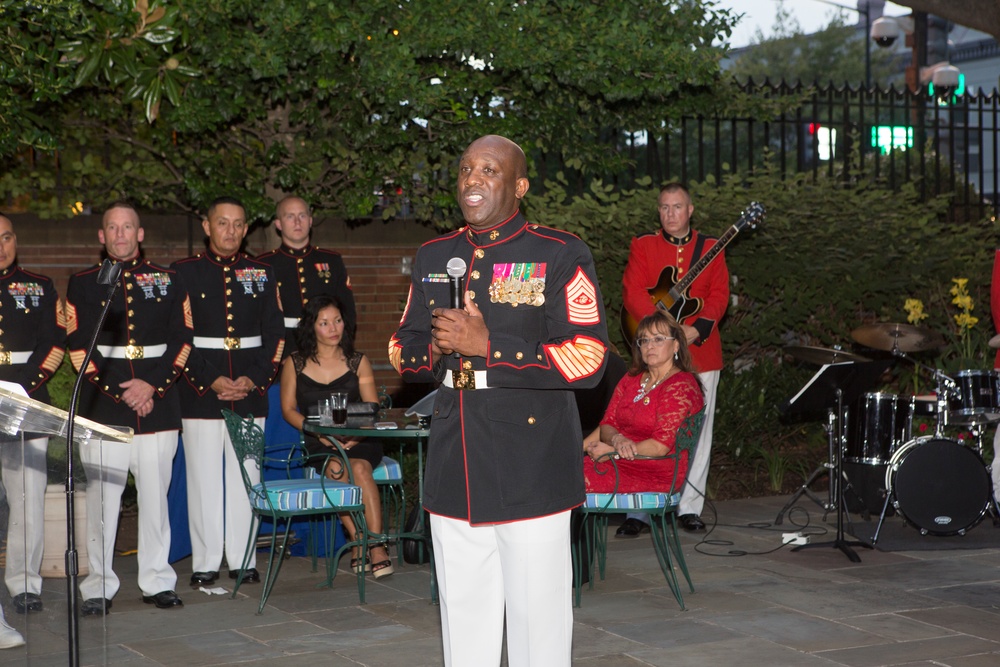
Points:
(59, 249)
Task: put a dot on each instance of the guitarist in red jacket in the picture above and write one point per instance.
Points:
(657, 262)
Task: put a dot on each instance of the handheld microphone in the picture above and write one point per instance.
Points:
(456, 271)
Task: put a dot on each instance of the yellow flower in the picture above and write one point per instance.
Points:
(963, 301)
(965, 321)
(915, 311)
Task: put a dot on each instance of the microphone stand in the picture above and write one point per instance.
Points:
(108, 275)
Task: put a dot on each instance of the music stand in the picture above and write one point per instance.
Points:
(829, 389)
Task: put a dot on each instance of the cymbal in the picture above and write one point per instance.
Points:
(822, 355)
(903, 337)
(995, 342)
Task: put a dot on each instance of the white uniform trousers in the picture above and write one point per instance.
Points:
(219, 514)
(693, 498)
(524, 566)
(150, 458)
(25, 477)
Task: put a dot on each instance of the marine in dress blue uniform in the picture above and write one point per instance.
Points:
(304, 271)
(238, 342)
(32, 334)
(142, 349)
(505, 455)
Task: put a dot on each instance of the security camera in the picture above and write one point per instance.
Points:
(885, 32)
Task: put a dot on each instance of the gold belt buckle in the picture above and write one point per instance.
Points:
(134, 352)
(4, 358)
(231, 343)
(464, 379)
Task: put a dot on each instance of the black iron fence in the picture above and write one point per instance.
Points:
(944, 142)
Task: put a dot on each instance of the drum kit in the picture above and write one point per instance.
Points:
(938, 484)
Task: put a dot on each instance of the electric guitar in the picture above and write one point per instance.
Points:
(671, 295)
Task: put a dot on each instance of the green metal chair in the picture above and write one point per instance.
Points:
(284, 500)
(660, 507)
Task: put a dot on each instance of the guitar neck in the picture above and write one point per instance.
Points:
(706, 259)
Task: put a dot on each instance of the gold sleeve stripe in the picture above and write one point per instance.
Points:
(277, 354)
(395, 353)
(181, 359)
(53, 359)
(69, 319)
(60, 315)
(188, 317)
(76, 357)
(577, 358)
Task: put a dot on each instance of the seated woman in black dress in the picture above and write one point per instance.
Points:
(324, 363)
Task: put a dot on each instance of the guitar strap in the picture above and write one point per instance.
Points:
(699, 246)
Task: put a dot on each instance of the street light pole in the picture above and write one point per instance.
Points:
(868, 29)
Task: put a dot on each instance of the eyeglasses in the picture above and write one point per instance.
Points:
(655, 340)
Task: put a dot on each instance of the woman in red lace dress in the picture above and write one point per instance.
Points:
(649, 404)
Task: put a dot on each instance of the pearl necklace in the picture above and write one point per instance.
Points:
(643, 393)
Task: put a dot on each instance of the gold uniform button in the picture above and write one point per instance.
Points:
(480, 253)
(519, 356)
(425, 357)
(466, 365)
(472, 295)
(413, 360)
(475, 275)
(496, 355)
(431, 302)
(531, 421)
(226, 269)
(539, 357)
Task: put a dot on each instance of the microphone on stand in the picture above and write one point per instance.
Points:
(456, 271)
(110, 271)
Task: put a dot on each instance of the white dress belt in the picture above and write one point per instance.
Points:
(291, 322)
(132, 351)
(11, 358)
(480, 379)
(230, 343)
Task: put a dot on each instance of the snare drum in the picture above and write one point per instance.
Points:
(875, 427)
(977, 397)
(939, 486)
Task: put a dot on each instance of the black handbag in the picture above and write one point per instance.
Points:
(416, 552)
(362, 409)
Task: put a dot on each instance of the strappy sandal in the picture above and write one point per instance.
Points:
(383, 568)
(359, 565)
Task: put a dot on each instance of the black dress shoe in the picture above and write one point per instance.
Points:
(631, 528)
(202, 578)
(250, 575)
(95, 607)
(691, 522)
(163, 600)
(27, 602)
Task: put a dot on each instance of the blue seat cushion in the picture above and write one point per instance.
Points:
(631, 501)
(303, 494)
(388, 472)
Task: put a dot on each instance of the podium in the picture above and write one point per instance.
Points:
(23, 419)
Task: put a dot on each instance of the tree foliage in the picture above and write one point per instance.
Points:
(834, 54)
(175, 103)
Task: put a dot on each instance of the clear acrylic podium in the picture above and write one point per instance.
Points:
(22, 422)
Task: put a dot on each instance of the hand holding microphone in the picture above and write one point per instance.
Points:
(460, 330)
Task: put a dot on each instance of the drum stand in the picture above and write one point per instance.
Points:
(838, 542)
(825, 468)
(830, 388)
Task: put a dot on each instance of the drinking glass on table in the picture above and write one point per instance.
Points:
(324, 408)
(338, 402)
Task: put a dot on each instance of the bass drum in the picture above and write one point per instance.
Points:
(939, 486)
